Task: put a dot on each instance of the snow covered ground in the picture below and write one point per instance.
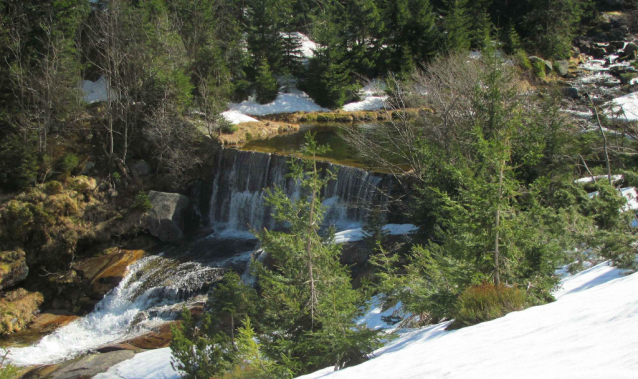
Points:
(373, 98)
(591, 331)
(235, 117)
(628, 104)
(95, 92)
(285, 103)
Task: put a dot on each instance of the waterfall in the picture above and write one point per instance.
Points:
(152, 292)
(237, 201)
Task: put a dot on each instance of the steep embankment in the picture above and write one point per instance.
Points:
(589, 332)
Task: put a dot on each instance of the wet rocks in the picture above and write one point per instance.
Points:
(167, 219)
(13, 268)
(91, 365)
(52, 320)
(17, 309)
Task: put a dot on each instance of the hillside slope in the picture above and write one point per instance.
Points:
(591, 331)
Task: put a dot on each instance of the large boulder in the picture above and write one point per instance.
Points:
(17, 309)
(13, 268)
(562, 68)
(167, 219)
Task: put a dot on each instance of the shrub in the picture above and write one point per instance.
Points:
(266, 87)
(53, 187)
(488, 302)
(539, 69)
(69, 162)
(228, 128)
(142, 202)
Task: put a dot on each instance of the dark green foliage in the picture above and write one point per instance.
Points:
(266, 87)
(308, 302)
(18, 163)
(231, 302)
(551, 25)
(69, 163)
(198, 352)
(228, 128)
(487, 302)
(142, 202)
(456, 25)
(374, 233)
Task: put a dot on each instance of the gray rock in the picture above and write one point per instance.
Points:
(92, 365)
(562, 68)
(141, 168)
(547, 64)
(13, 268)
(572, 92)
(631, 47)
(167, 217)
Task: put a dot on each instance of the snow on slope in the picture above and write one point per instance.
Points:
(285, 103)
(590, 332)
(628, 104)
(235, 117)
(95, 92)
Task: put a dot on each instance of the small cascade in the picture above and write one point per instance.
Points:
(152, 292)
(237, 202)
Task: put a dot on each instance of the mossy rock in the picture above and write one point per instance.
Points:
(13, 268)
(17, 309)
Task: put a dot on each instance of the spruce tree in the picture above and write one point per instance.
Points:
(456, 25)
(266, 88)
(308, 302)
(551, 25)
(422, 34)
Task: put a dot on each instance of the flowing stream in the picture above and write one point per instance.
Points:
(155, 288)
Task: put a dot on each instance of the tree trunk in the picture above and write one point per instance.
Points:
(497, 279)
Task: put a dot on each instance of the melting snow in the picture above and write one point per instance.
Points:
(628, 104)
(235, 117)
(95, 92)
(589, 332)
(285, 103)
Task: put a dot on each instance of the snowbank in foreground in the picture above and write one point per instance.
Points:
(154, 364)
(354, 235)
(285, 103)
(235, 117)
(628, 104)
(590, 332)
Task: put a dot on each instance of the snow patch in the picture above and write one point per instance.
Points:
(627, 103)
(590, 332)
(354, 235)
(589, 179)
(96, 92)
(285, 103)
(235, 117)
(154, 364)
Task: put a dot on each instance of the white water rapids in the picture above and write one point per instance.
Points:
(149, 294)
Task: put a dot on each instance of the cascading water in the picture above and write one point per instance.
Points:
(156, 287)
(152, 292)
(237, 202)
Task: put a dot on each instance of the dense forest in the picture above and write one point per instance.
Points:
(485, 159)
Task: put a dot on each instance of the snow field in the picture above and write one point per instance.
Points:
(591, 331)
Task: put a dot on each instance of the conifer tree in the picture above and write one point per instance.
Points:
(551, 25)
(422, 34)
(456, 25)
(266, 88)
(309, 304)
(265, 19)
